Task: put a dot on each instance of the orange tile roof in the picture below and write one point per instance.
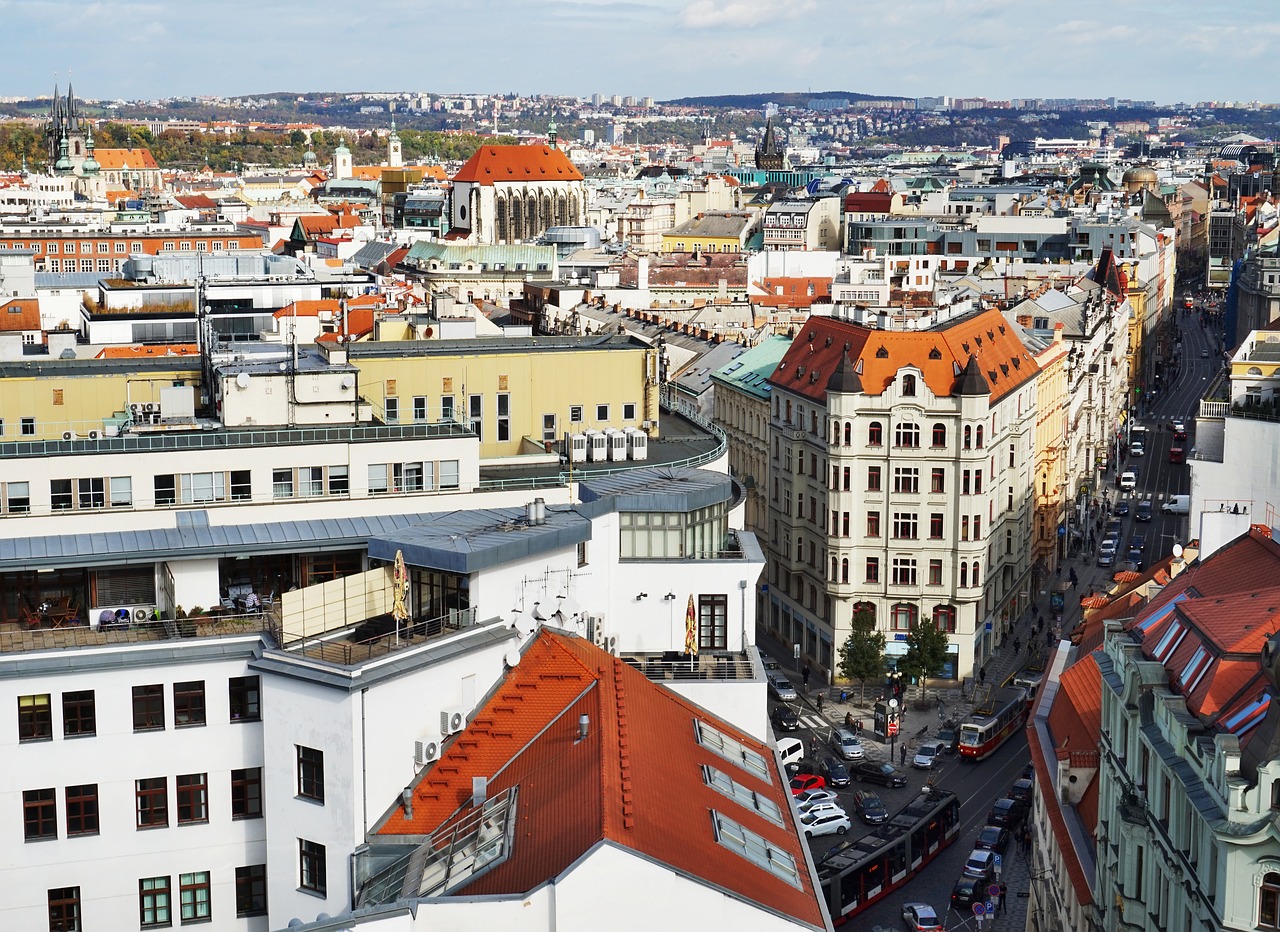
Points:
(20, 314)
(120, 159)
(635, 782)
(151, 349)
(517, 163)
(308, 308)
(878, 355)
(196, 201)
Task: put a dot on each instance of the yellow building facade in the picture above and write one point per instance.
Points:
(1050, 478)
(518, 393)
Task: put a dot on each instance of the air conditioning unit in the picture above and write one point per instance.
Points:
(69, 435)
(426, 751)
(452, 721)
(95, 435)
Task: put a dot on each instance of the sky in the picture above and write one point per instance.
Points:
(1170, 51)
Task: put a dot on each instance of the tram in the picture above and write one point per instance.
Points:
(993, 722)
(858, 873)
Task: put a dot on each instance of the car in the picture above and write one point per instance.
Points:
(1110, 542)
(993, 838)
(966, 892)
(846, 744)
(770, 664)
(781, 688)
(921, 917)
(926, 754)
(870, 808)
(835, 772)
(1128, 480)
(1006, 812)
(1113, 527)
(1204, 354)
(1134, 557)
(1138, 542)
(1106, 557)
(827, 808)
(1179, 435)
(824, 822)
(981, 864)
(1177, 455)
(810, 798)
(948, 736)
(806, 781)
(784, 718)
(1143, 513)
(1178, 426)
(876, 772)
(1121, 507)
(1137, 449)
(1023, 790)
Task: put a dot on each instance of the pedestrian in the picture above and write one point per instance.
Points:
(1017, 646)
(848, 721)
(902, 755)
(858, 729)
(819, 701)
(813, 745)
(1004, 889)
(982, 675)
(964, 687)
(804, 676)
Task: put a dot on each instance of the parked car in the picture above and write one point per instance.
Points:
(966, 892)
(1113, 527)
(1106, 555)
(1007, 813)
(810, 798)
(770, 663)
(993, 838)
(1121, 507)
(824, 822)
(870, 808)
(846, 744)
(1143, 512)
(781, 688)
(926, 754)
(1022, 790)
(981, 864)
(948, 736)
(835, 772)
(876, 772)
(784, 718)
(806, 781)
(921, 917)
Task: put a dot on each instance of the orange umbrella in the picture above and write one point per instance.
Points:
(690, 629)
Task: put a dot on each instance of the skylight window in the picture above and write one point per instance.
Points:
(1169, 643)
(1195, 670)
(722, 782)
(755, 849)
(732, 750)
(1248, 717)
(1161, 613)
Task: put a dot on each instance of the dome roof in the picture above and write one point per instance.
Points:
(1140, 174)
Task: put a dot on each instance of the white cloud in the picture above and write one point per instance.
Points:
(736, 14)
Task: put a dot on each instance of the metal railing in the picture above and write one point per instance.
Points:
(350, 653)
(80, 635)
(703, 666)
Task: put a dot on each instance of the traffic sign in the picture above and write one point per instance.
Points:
(979, 910)
(993, 891)
(999, 860)
(893, 728)
(991, 907)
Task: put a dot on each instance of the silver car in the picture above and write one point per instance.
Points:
(926, 754)
(781, 688)
(846, 744)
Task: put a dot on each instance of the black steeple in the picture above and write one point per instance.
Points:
(971, 381)
(845, 380)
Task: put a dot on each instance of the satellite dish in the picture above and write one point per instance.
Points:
(1177, 550)
(242, 380)
(348, 382)
(512, 658)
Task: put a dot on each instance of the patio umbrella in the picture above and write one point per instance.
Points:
(690, 630)
(399, 589)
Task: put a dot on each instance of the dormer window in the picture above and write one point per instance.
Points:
(908, 385)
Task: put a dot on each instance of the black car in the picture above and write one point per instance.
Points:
(784, 718)
(869, 807)
(1022, 790)
(1138, 542)
(967, 891)
(993, 838)
(1007, 813)
(1144, 510)
(1121, 508)
(835, 771)
(949, 736)
(876, 772)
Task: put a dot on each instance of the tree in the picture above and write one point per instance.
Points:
(926, 652)
(862, 653)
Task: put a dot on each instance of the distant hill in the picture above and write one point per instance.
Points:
(781, 98)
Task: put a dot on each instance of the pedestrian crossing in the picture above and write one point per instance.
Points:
(814, 721)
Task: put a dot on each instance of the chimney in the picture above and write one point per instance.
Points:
(540, 511)
(584, 726)
(531, 513)
(406, 797)
(479, 791)
(642, 274)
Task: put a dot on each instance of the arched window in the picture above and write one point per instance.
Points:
(944, 618)
(979, 436)
(833, 568)
(964, 575)
(835, 432)
(906, 435)
(908, 385)
(968, 436)
(848, 433)
(864, 608)
(939, 435)
(1269, 901)
(844, 570)
(875, 434)
(975, 573)
(903, 616)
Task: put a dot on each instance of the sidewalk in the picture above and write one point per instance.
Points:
(1001, 667)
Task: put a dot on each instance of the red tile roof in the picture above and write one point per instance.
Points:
(309, 308)
(867, 202)
(20, 314)
(517, 163)
(939, 354)
(635, 782)
(196, 201)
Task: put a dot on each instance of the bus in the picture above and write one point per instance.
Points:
(856, 874)
(993, 722)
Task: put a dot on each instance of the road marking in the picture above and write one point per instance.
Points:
(813, 721)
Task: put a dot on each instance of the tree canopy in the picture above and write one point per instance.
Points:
(862, 653)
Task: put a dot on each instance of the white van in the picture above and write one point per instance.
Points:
(1177, 505)
(1128, 480)
(790, 751)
